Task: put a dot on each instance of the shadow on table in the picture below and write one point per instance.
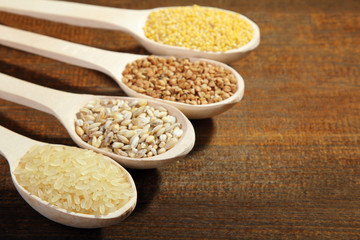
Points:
(204, 129)
(147, 184)
(14, 126)
(19, 221)
(136, 49)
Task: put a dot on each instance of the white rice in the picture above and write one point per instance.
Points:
(74, 179)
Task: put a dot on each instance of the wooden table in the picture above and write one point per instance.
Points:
(281, 164)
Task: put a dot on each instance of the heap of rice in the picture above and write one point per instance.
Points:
(74, 179)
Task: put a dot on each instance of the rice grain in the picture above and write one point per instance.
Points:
(74, 179)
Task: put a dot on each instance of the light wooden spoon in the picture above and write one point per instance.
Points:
(14, 146)
(126, 20)
(110, 63)
(64, 106)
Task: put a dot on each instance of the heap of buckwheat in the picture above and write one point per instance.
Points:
(179, 79)
(129, 129)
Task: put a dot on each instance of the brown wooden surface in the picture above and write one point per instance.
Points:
(282, 164)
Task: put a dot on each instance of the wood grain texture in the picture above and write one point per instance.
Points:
(282, 164)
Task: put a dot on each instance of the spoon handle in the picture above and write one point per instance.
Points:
(72, 53)
(76, 13)
(13, 146)
(41, 98)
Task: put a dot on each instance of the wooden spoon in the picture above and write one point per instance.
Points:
(126, 20)
(64, 106)
(110, 63)
(14, 146)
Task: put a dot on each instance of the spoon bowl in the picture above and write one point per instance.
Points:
(64, 106)
(14, 146)
(112, 64)
(126, 20)
(200, 111)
